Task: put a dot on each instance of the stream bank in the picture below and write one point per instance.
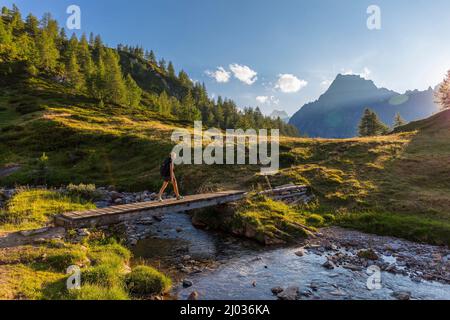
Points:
(330, 266)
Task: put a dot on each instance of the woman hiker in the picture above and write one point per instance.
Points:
(168, 174)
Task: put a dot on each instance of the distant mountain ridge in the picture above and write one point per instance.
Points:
(336, 114)
(280, 114)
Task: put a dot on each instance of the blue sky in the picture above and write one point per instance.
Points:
(278, 54)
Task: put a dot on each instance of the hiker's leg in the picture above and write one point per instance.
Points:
(175, 187)
(163, 188)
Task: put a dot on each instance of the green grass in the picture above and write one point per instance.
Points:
(414, 227)
(96, 292)
(261, 219)
(144, 280)
(34, 208)
(38, 273)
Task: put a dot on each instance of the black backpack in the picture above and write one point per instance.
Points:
(165, 168)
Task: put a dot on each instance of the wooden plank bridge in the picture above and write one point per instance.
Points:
(117, 214)
(135, 211)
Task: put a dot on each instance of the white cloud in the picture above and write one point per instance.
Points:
(220, 75)
(268, 100)
(262, 99)
(364, 74)
(244, 73)
(288, 83)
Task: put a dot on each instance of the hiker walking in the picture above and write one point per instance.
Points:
(168, 175)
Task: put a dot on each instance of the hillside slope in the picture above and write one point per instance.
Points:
(375, 184)
(336, 114)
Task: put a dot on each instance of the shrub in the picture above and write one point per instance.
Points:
(96, 292)
(85, 191)
(329, 218)
(144, 280)
(315, 220)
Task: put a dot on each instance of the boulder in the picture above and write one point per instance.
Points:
(291, 293)
(277, 290)
(329, 265)
(306, 293)
(115, 195)
(193, 296)
(402, 295)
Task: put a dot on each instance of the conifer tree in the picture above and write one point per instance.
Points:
(171, 70)
(133, 92)
(443, 93)
(151, 57)
(115, 90)
(6, 48)
(188, 110)
(164, 104)
(84, 57)
(398, 120)
(184, 79)
(74, 76)
(46, 44)
(5, 35)
(371, 125)
(17, 24)
(96, 81)
(32, 25)
(91, 39)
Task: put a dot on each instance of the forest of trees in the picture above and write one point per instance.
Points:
(87, 66)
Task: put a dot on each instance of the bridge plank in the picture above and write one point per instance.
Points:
(125, 212)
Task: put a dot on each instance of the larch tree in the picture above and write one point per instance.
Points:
(443, 93)
(74, 76)
(133, 92)
(46, 44)
(114, 83)
(85, 57)
(399, 121)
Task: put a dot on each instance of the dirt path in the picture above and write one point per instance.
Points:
(4, 172)
(20, 238)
